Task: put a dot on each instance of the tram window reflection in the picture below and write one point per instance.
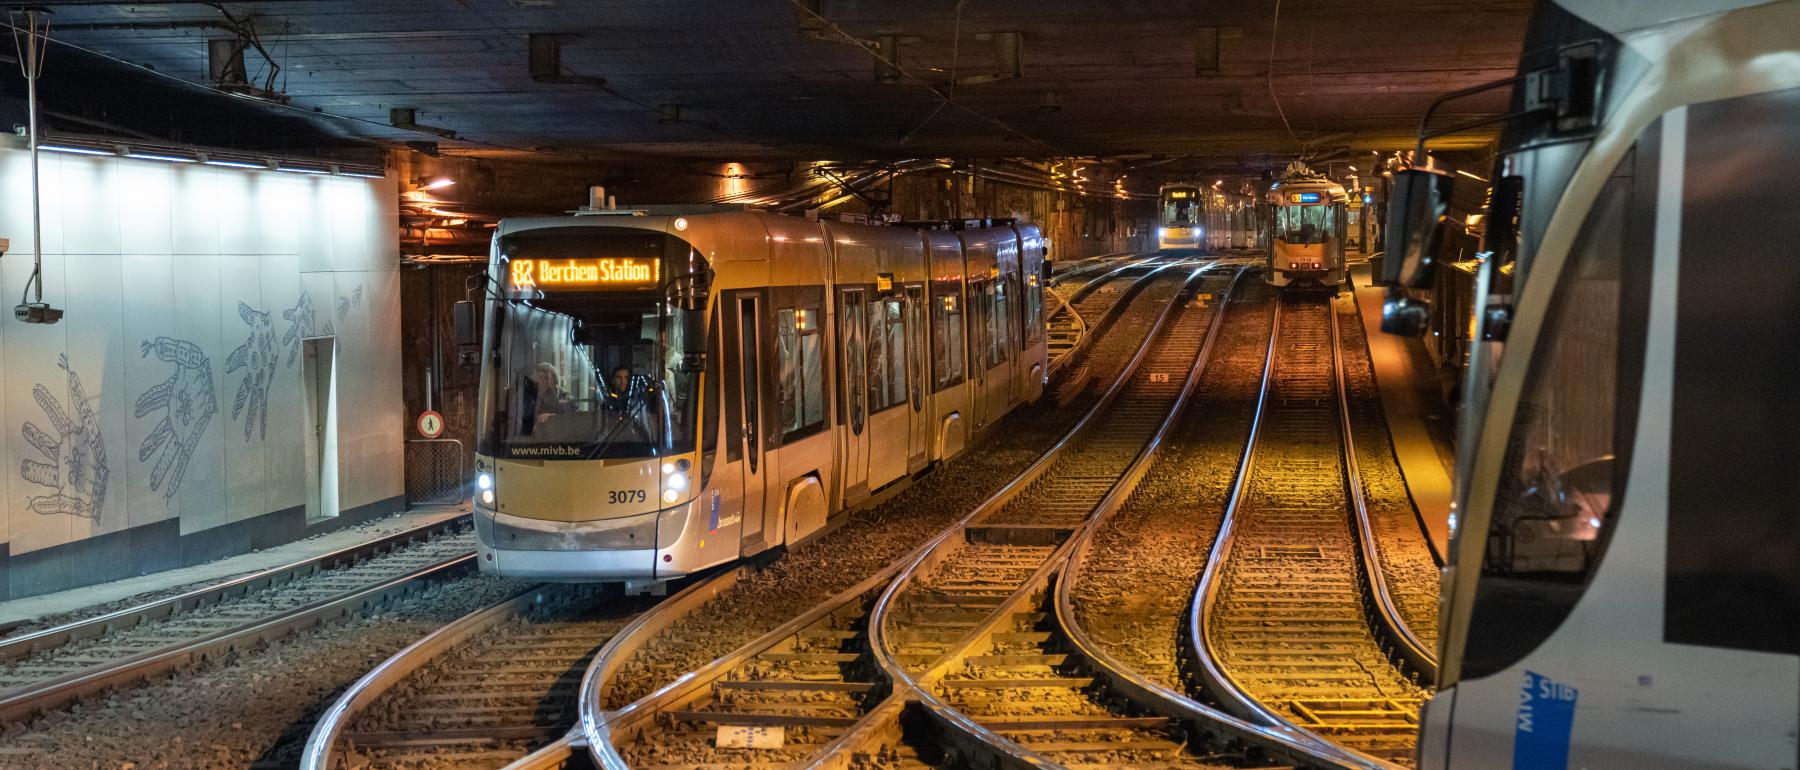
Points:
(1567, 459)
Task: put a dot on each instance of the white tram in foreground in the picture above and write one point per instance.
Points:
(1307, 223)
(667, 392)
(1624, 583)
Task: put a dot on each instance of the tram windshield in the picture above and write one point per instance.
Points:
(1178, 206)
(596, 351)
(1303, 225)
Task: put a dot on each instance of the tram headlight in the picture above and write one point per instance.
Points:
(675, 480)
(487, 497)
(1162, 232)
(485, 481)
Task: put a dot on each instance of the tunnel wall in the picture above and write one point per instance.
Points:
(163, 421)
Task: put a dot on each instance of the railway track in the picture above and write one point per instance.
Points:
(53, 667)
(808, 681)
(1075, 319)
(486, 690)
(1410, 564)
(965, 629)
(1292, 625)
(1131, 578)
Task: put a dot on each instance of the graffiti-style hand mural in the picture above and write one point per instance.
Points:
(187, 404)
(301, 319)
(257, 354)
(345, 303)
(76, 471)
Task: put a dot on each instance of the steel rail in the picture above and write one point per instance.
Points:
(21, 703)
(1200, 650)
(1086, 265)
(921, 689)
(1387, 621)
(602, 731)
(23, 645)
(1284, 741)
(1091, 330)
(320, 752)
(66, 689)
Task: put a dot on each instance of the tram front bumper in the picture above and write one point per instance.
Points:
(606, 549)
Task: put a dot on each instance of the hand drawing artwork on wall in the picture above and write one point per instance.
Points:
(257, 354)
(301, 319)
(76, 473)
(186, 402)
(345, 303)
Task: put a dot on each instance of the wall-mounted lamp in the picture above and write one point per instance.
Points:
(432, 183)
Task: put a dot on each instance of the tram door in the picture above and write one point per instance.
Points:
(746, 388)
(853, 326)
(919, 442)
(979, 326)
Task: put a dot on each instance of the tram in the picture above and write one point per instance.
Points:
(1180, 224)
(1308, 220)
(1625, 570)
(664, 391)
(1231, 221)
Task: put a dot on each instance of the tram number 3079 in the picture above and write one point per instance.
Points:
(618, 496)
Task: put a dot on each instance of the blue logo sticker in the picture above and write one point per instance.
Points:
(713, 527)
(1545, 720)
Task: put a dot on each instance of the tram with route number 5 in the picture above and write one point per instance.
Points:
(669, 390)
(1308, 220)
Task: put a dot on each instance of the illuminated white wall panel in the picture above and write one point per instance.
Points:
(177, 371)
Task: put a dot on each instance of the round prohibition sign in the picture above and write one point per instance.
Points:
(431, 424)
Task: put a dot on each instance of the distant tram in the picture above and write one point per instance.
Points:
(1180, 222)
(1308, 218)
(666, 392)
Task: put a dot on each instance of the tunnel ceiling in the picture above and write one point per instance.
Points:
(764, 79)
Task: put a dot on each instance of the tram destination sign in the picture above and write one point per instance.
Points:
(583, 274)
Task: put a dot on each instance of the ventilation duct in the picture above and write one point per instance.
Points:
(1009, 55)
(544, 60)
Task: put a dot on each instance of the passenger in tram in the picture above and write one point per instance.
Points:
(544, 397)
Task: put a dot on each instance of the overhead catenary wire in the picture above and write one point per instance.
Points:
(1274, 37)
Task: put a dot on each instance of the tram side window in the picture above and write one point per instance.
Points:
(887, 354)
(879, 355)
(981, 333)
(915, 332)
(1034, 309)
(1565, 465)
(946, 337)
(710, 403)
(802, 372)
(855, 366)
(999, 325)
